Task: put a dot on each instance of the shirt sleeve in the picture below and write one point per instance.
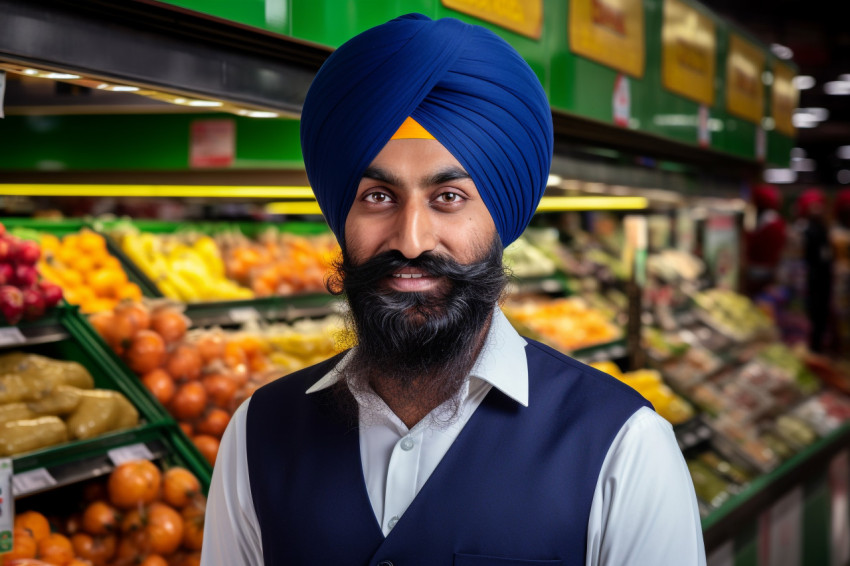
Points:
(644, 508)
(231, 530)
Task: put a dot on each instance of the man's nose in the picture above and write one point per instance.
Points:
(414, 230)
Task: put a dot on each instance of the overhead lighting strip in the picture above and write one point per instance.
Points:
(209, 191)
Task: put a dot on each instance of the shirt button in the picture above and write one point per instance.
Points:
(407, 443)
(392, 522)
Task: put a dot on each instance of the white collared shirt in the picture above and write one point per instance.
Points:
(644, 509)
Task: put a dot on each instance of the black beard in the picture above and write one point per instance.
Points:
(423, 345)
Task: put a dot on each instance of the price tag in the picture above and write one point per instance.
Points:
(129, 453)
(11, 335)
(7, 505)
(32, 481)
(244, 314)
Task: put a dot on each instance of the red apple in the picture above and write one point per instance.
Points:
(33, 304)
(25, 276)
(5, 249)
(11, 303)
(28, 252)
(7, 273)
(52, 293)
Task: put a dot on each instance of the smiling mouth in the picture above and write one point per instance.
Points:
(407, 275)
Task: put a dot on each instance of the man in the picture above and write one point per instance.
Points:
(817, 256)
(766, 242)
(442, 437)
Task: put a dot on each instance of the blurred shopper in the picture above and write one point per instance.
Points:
(443, 437)
(840, 236)
(766, 242)
(817, 256)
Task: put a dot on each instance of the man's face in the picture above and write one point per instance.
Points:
(416, 197)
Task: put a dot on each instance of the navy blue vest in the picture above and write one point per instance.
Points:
(514, 489)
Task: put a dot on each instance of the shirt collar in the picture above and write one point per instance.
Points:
(501, 363)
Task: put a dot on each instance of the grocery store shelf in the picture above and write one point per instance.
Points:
(82, 460)
(42, 331)
(230, 313)
(725, 522)
(157, 191)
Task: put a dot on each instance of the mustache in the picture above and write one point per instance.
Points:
(367, 275)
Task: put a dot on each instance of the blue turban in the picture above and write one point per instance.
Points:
(464, 84)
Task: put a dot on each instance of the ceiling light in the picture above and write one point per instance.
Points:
(781, 51)
(804, 121)
(819, 114)
(843, 152)
(554, 180)
(179, 101)
(803, 82)
(61, 76)
(845, 78)
(802, 164)
(125, 88)
(30, 72)
(798, 152)
(780, 176)
(844, 176)
(258, 114)
(205, 103)
(838, 88)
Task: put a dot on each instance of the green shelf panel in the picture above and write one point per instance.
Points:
(228, 313)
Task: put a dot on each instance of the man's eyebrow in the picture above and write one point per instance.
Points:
(382, 175)
(446, 175)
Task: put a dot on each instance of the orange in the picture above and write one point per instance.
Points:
(134, 483)
(24, 545)
(179, 487)
(89, 241)
(56, 549)
(105, 282)
(129, 290)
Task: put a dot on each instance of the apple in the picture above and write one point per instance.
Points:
(52, 293)
(2, 229)
(7, 273)
(5, 249)
(25, 276)
(11, 303)
(28, 252)
(33, 303)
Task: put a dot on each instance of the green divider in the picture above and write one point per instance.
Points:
(816, 521)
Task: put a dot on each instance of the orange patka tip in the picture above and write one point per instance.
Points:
(410, 129)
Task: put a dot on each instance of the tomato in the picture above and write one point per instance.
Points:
(189, 401)
(160, 383)
(184, 363)
(208, 446)
(211, 346)
(220, 389)
(193, 526)
(56, 549)
(100, 518)
(146, 352)
(169, 323)
(35, 523)
(134, 483)
(213, 422)
(179, 487)
(164, 528)
(97, 550)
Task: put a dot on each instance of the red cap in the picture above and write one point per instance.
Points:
(842, 200)
(808, 199)
(766, 196)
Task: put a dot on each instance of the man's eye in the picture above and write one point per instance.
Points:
(377, 197)
(449, 197)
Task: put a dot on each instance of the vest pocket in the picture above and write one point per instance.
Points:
(479, 560)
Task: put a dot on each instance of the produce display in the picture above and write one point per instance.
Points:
(734, 315)
(45, 402)
(24, 295)
(186, 267)
(88, 274)
(649, 383)
(565, 324)
(278, 263)
(139, 515)
(201, 376)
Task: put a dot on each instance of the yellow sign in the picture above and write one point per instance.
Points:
(784, 99)
(524, 17)
(609, 32)
(744, 89)
(688, 56)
